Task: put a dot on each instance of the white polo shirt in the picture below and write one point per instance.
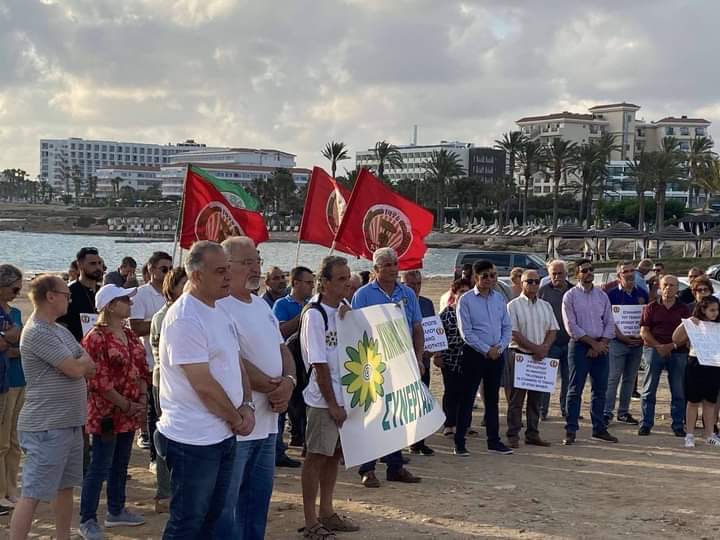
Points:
(531, 319)
(146, 303)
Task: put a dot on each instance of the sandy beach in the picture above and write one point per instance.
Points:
(647, 487)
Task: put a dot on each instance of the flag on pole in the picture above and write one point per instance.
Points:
(325, 205)
(216, 209)
(378, 217)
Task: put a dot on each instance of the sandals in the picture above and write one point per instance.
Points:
(318, 532)
(339, 524)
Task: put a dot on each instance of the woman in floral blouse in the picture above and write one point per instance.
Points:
(449, 360)
(117, 405)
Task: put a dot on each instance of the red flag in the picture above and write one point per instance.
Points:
(208, 215)
(378, 217)
(325, 205)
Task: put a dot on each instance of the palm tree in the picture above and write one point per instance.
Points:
(335, 151)
(708, 179)
(512, 143)
(643, 171)
(697, 159)
(387, 154)
(532, 158)
(115, 182)
(441, 167)
(668, 168)
(589, 163)
(561, 155)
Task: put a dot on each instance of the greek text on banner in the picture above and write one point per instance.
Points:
(532, 374)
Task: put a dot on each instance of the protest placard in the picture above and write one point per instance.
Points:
(532, 374)
(627, 319)
(705, 341)
(87, 321)
(388, 406)
(435, 338)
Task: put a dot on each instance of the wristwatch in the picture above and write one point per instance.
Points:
(293, 380)
(250, 404)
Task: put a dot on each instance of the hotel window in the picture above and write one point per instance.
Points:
(669, 131)
(699, 131)
(684, 131)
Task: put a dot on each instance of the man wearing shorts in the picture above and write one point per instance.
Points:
(50, 423)
(323, 397)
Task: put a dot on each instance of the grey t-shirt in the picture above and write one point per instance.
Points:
(52, 399)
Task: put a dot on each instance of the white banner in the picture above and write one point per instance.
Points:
(388, 406)
(435, 338)
(705, 340)
(87, 321)
(532, 374)
(627, 319)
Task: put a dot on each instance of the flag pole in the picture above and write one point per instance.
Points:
(178, 227)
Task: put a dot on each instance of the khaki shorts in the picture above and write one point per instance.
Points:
(321, 435)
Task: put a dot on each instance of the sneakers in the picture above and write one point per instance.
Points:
(404, 476)
(689, 440)
(7, 503)
(569, 438)
(679, 432)
(513, 442)
(369, 480)
(628, 419)
(287, 461)
(644, 431)
(123, 519)
(536, 441)
(636, 396)
(422, 449)
(604, 436)
(499, 448)
(712, 441)
(448, 431)
(90, 530)
(461, 452)
(143, 441)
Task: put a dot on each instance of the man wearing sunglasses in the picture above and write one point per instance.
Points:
(146, 303)
(82, 291)
(588, 319)
(484, 324)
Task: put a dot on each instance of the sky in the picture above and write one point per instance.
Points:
(295, 74)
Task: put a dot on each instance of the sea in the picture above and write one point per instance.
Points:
(47, 252)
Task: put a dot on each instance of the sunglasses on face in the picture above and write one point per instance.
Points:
(489, 275)
(586, 269)
(532, 281)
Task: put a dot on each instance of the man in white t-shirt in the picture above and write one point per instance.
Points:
(324, 400)
(204, 395)
(271, 371)
(146, 303)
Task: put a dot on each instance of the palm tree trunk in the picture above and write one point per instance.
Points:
(706, 207)
(660, 207)
(556, 202)
(525, 201)
(641, 211)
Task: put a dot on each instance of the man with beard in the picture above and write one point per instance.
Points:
(82, 292)
(271, 370)
(275, 285)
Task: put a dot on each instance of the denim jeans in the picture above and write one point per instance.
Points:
(393, 461)
(561, 353)
(199, 480)
(675, 366)
(479, 368)
(580, 366)
(244, 516)
(624, 363)
(108, 462)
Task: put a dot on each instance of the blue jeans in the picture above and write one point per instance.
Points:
(199, 480)
(393, 461)
(675, 366)
(246, 506)
(108, 462)
(581, 365)
(561, 353)
(624, 363)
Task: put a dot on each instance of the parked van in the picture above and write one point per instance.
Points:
(504, 261)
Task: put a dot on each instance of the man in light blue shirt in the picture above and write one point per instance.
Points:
(386, 289)
(485, 326)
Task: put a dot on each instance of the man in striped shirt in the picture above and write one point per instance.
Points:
(533, 332)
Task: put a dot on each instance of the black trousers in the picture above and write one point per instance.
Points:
(297, 416)
(478, 368)
(152, 418)
(452, 381)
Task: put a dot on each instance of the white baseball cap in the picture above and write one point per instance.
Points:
(108, 293)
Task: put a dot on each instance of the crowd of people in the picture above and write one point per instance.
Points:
(204, 364)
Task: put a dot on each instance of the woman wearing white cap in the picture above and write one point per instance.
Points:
(117, 404)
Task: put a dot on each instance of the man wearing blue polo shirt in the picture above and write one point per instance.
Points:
(625, 352)
(287, 311)
(385, 289)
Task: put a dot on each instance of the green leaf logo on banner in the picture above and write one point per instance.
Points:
(365, 380)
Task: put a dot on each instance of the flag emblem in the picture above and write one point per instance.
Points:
(215, 222)
(387, 226)
(335, 210)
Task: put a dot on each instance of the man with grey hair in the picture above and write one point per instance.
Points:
(553, 293)
(356, 281)
(385, 289)
(205, 397)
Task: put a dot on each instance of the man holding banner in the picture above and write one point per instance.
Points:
(533, 332)
(385, 289)
(324, 399)
(625, 351)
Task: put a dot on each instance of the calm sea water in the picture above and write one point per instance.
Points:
(34, 252)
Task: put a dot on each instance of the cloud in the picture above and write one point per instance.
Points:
(294, 74)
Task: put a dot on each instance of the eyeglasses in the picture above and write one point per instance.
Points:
(489, 275)
(702, 290)
(532, 281)
(65, 294)
(249, 262)
(586, 269)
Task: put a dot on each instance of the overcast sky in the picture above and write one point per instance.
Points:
(293, 74)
